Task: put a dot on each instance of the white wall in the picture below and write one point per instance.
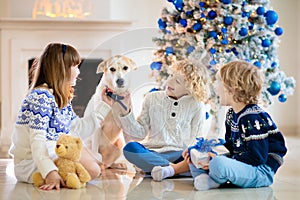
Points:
(144, 13)
(287, 114)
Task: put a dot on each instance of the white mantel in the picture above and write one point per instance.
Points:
(23, 39)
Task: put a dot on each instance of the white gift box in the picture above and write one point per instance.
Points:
(197, 156)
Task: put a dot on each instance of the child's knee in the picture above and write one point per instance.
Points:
(131, 147)
(94, 170)
(217, 165)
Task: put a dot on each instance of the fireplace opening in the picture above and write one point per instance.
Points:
(86, 83)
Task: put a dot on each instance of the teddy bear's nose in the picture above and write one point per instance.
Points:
(57, 146)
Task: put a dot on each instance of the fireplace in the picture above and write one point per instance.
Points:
(87, 81)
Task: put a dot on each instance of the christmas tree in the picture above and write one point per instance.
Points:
(222, 31)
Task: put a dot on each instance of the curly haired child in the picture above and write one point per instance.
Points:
(168, 123)
(256, 145)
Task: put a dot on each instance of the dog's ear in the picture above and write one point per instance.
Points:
(103, 65)
(132, 63)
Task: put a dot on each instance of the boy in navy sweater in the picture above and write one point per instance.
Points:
(255, 144)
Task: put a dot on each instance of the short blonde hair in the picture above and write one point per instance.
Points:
(196, 78)
(242, 79)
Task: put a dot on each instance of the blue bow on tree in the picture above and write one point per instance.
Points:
(205, 145)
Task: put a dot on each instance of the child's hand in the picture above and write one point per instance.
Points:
(212, 155)
(106, 98)
(53, 180)
(186, 156)
(127, 102)
(205, 166)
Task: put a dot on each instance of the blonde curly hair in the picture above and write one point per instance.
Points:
(242, 79)
(196, 78)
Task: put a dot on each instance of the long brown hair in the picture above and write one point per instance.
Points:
(54, 70)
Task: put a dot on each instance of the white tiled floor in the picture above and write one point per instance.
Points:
(116, 184)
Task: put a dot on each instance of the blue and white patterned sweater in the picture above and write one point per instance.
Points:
(40, 111)
(252, 137)
(38, 126)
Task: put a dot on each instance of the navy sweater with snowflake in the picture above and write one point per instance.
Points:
(252, 137)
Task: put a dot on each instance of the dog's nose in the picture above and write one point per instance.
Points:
(120, 82)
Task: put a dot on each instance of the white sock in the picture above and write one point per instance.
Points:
(159, 173)
(204, 182)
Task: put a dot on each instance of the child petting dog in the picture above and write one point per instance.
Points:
(46, 113)
(256, 145)
(169, 121)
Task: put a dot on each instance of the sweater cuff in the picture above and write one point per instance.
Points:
(127, 118)
(47, 166)
(127, 121)
(102, 109)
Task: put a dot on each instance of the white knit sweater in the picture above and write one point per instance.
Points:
(165, 124)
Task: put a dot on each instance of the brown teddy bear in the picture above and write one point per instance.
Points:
(68, 150)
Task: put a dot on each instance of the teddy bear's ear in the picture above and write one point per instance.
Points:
(78, 142)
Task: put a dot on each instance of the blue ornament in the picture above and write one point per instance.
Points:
(212, 50)
(271, 17)
(197, 26)
(156, 65)
(243, 31)
(257, 64)
(246, 14)
(189, 13)
(202, 4)
(274, 64)
(226, 1)
(178, 4)
(213, 34)
(169, 50)
(212, 14)
(274, 88)
(282, 98)
(266, 43)
(224, 41)
(183, 22)
(190, 49)
(260, 10)
(235, 51)
(278, 31)
(161, 24)
(213, 62)
(228, 20)
(206, 115)
(170, 1)
(251, 25)
(224, 30)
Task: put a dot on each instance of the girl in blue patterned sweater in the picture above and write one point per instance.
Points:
(256, 145)
(46, 113)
